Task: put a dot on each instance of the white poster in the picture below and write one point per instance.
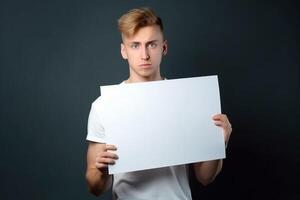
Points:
(162, 123)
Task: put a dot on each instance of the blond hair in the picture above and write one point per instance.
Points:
(134, 19)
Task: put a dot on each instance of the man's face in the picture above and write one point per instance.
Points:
(144, 52)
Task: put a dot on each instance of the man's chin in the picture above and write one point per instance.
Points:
(146, 73)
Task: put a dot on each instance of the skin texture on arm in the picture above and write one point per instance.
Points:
(207, 171)
(98, 159)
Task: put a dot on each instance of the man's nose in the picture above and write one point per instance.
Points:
(145, 54)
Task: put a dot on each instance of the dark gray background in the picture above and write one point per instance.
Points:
(56, 54)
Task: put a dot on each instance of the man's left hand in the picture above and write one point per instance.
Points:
(222, 121)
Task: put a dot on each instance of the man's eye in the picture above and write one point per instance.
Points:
(134, 46)
(152, 45)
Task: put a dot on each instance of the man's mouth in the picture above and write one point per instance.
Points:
(145, 65)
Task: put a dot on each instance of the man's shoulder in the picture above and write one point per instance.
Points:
(97, 103)
(98, 100)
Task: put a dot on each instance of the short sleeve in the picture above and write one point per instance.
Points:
(95, 130)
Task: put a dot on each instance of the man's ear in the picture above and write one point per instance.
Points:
(165, 48)
(123, 51)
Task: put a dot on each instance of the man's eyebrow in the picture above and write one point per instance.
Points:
(135, 42)
(151, 42)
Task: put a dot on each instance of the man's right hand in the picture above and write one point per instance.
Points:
(106, 157)
(99, 156)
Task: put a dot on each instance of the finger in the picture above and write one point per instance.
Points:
(221, 117)
(219, 123)
(106, 160)
(217, 117)
(107, 154)
(110, 155)
(110, 147)
(101, 165)
(223, 125)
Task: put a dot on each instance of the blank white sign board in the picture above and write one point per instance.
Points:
(162, 123)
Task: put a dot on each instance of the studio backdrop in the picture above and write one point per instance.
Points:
(56, 54)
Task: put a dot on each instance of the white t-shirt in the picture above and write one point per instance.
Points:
(156, 184)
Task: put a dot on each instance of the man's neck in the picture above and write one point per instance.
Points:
(132, 79)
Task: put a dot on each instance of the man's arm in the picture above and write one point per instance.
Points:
(98, 159)
(207, 171)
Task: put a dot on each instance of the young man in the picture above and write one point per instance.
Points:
(143, 46)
